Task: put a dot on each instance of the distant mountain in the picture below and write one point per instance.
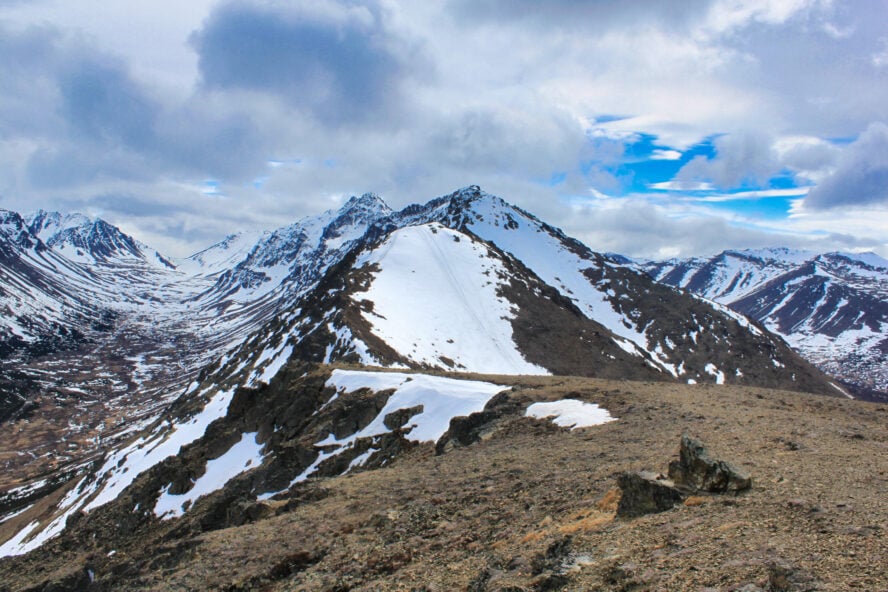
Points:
(830, 307)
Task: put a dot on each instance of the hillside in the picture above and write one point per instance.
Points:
(528, 506)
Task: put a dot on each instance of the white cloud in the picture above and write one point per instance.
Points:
(739, 158)
(660, 154)
(758, 194)
(678, 185)
(880, 57)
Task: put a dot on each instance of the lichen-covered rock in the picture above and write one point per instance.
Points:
(645, 492)
(697, 471)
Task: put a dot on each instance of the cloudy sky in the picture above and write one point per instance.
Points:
(650, 128)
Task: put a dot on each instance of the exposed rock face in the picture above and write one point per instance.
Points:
(697, 471)
(645, 492)
(464, 431)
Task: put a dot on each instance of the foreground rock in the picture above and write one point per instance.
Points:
(695, 470)
(645, 492)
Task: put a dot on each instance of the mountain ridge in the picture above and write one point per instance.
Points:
(341, 287)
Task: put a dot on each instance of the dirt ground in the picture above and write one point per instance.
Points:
(531, 507)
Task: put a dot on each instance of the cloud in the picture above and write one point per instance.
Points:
(335, 61)
(740, 158)
(861, 175)
(643, 227)
(806, 154)
(101, 101)
(87, 119)
(28, 61)
(661, 154)
(115, 109)
(582, 13)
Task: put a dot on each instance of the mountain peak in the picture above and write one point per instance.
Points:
(46, 225)
(368, 202)
(92, 236)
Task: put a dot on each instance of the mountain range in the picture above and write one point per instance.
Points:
(830, 307)
(140, 384)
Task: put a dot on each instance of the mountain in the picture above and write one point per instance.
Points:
(212, 372)
(831, 307)
(100, 333)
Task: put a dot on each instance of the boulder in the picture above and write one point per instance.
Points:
(645, 492)
(696, 471)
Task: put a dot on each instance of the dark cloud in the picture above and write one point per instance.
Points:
(340, 66)
(198, 138)
(861, 176)
(135, 206)
(100, 100)
(596, 14)
(28, 62)
(89, 120)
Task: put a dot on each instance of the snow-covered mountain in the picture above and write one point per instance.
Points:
(465, 282)
(831, 307)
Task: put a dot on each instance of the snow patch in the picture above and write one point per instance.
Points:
(441, 399)
(570, 413)
(243, 456)
(713, 370)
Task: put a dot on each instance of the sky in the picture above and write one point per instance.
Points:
(651, 128)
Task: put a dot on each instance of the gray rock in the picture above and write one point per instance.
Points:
(695, 470)
(785, 577)
(645, 492)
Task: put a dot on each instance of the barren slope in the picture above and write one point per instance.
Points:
(530, 507)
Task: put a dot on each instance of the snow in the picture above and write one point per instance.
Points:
(441, 400)
(123, 466)
(841, 390)
(344, 337)
(241, 457)
(435, 299)
(21, 543)
(223, 255)
(570, 413)
(551, 261)
(16, 513)
(17, 545)
(869, 258)
(714, 371)
(278, 358)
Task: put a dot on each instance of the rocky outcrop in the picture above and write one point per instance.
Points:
(645, 492)
(696, 471)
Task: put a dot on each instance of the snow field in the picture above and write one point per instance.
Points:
(435, 299)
